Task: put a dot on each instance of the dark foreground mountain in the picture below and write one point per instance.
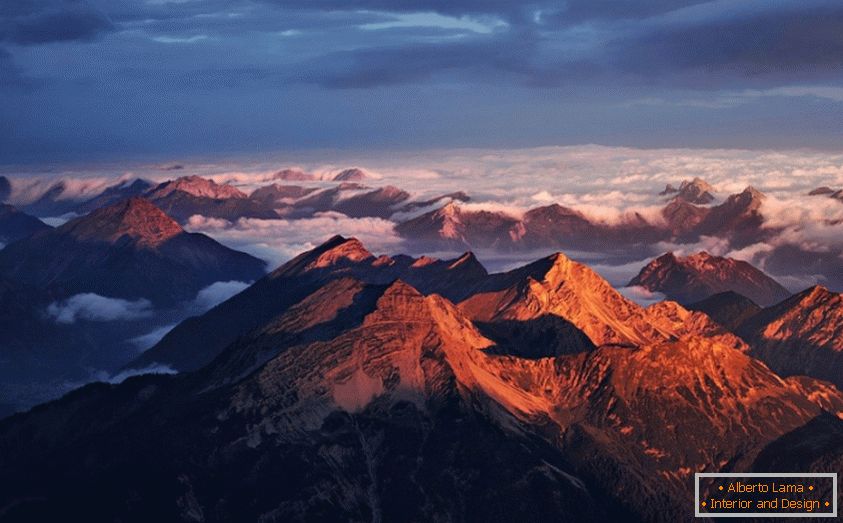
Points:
(128, 250)
(15, 224)
(693, 278)
(197, 341)
(802, 335)
(359, 400)
(729, 309)
(5, 189)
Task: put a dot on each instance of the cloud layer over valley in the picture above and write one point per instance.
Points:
(609, 185)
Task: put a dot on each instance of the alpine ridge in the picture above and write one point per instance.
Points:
(802, 335)
(342, 376)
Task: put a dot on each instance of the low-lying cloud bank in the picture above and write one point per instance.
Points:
(280, 240)
(216, 293)
(93, 307)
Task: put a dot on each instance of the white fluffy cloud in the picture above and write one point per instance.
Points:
(216, 293)
(280, 240)
(93, 307)
(641, 296)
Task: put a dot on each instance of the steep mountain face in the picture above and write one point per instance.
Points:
(369, 401)
(800, 336)
(684, 323)
(15, 224)
(696, 277)
(738, 218)
(815, 447)
(128, 250)
(729, 309)
(191, 195)
(682, 217)
(560, 287)
(409, 435)
(456, 227)
(197, 341)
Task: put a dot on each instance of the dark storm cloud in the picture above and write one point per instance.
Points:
(792, 45)
(705, 46)
(43, 21)
(139, 75)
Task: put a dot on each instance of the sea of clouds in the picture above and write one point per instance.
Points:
(605, 183)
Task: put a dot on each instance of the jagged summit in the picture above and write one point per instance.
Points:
(468, 259)
(334, 251)
(696, 191)
(196, 186)
(696, 277)
(135, 218)
(559, 286)
(750, 196)
(668, 189)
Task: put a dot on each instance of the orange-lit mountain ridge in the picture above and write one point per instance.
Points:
(356, 395)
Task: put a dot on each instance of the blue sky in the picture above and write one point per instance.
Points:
(109, 79)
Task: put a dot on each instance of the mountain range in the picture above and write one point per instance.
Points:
(77, 301)
(348, 386)
(555, 226)
(128, 250)
(693, 213)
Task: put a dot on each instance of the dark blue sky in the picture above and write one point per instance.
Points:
(95, 79)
